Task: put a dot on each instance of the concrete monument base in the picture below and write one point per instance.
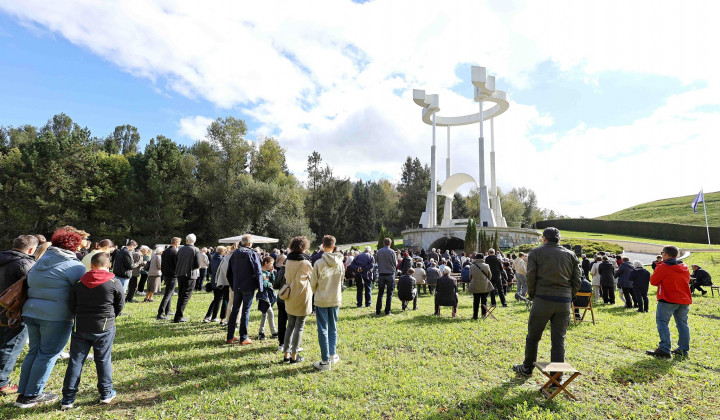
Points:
(453, 237)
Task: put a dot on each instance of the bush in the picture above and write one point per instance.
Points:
(589, 248)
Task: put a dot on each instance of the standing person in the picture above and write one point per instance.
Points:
(326, 282)
(124, 263)
(596, 278)
(47, 315)
(624, 282)
(607, 280)
(672, 278)
(14, 265)
(146, 256)
(138, 263)
(362, 266)
(298, 306)
(244, 273)
(640, 279)
(282, 313)
(168, 264)
(187, 271)
(95, 301)
(406, 289)
(387, 269)
(658, 260)
(520, 267)
(553, 275)
(266, 298)
(222, 281)
(496, 269)
(480, 284)
(103, 246)
(204, 265)
(699, 278)
(219, 291)
(154, 274)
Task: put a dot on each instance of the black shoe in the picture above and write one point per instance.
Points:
(160, 317)
(29, 402)
(286, 360)
(704, 293)
(658, 353)
(522, 370)
(261, 336)
(180, 320)
(679, 352)
(298, 359)
(505, 305)
(274, 335)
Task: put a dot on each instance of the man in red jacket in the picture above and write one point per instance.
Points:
(672, 278)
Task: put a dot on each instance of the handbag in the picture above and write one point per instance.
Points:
(284, 292)
(11, 303)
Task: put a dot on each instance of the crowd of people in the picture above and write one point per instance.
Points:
(76, 290)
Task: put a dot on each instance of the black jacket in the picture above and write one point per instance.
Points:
(188, 260)
(702, 277)
(95, 308)
(585, 287)
(168, 262)
(13, 266)
(607, 274)
(586, 265)
(123, 264)
(405, 264)
(640, 279)
(496, 269)
(406, 285)
(553, 273)
(446, 292)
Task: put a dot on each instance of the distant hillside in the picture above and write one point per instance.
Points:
(672, 210)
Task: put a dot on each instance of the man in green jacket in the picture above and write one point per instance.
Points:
(553, 277)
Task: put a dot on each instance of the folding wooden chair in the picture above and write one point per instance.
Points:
(586, 308)
(557, 369)
(488, 312)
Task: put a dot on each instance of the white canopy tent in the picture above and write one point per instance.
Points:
(255, 240)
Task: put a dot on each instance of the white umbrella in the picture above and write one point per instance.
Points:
(255, 240)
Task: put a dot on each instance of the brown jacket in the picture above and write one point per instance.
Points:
(480, 278)
(297, 275)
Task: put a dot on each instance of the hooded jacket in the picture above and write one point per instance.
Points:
(13, 266)
(297, 274)
(327, 279)
(96, 300)
(49, 283)
(672, 278)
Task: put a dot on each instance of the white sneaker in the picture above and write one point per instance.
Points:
(322, 366)
(335, 359)
(280, 349)
(64, 355)
(67, 406)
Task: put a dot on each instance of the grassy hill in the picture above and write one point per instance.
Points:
(672, 210)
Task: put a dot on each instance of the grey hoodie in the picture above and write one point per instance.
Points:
(326, 280)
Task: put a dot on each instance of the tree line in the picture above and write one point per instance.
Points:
(61, 174)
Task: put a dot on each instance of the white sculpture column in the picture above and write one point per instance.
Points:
(494, 196)
(447, 211)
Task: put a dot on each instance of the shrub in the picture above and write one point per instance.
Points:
(589, 248)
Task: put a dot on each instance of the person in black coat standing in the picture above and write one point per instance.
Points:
(168, 264)
(446, 292)
(607, 280)
(640, 279)
(496, 268)
(187, 271)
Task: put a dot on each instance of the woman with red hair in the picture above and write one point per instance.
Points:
(47, 314)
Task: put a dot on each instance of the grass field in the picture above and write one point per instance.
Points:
(672, 210)
(567, 234)
(411, 365)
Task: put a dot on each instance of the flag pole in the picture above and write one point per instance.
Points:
(707, 227)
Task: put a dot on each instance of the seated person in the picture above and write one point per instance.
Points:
(406, 289)
(585, 287)
(433, 273)
(420, 277)
(446, 292)
(699, 278)
(465, 273)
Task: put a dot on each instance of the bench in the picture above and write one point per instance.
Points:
(713, 288)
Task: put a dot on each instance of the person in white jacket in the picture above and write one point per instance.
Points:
(596, 277)
(326, 282)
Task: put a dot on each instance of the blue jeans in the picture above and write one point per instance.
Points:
(124, 283)
(80, 344)
(12, 341)
(246, 300)
(663, 314)
(327, 331)
(47, 340)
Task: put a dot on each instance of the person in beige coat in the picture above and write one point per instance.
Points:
(299, 305)
(480, 284)
(326, 282)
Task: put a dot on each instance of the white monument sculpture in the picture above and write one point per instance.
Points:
(490, 213)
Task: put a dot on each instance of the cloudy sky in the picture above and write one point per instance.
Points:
(613, 103)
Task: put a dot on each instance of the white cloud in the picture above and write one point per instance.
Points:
(321, 76)
(194, 127)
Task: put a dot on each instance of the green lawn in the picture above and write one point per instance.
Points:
(672, 210)
(411, 365)
(567, 234)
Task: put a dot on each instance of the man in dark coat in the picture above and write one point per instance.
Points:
(496, 268)
(244, 274)
(446, 292)
(124, 264)
(168, 264)
(187, 271)
(699, 278)
(406, 289)
(362, 266)
(624, 282)
(586, 264)
(14, 265)
(553, 275)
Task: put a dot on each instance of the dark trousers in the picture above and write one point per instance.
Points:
(282, 321)
(80, 345)
(201, 279)
(414, 301)
(185, 289)
(165, 303)
(477, 298)
(608, 294)
(497, 292)
(12, 342)
(386, 281)
(143, 280)
(641, 299)
(628, 293)
(221, 297)
(245, 301)
(695, 285)
(437, 310)
(363, 286)
(132, 288)
(558, 313)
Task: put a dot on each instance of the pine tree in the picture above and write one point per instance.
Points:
(471, 237)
